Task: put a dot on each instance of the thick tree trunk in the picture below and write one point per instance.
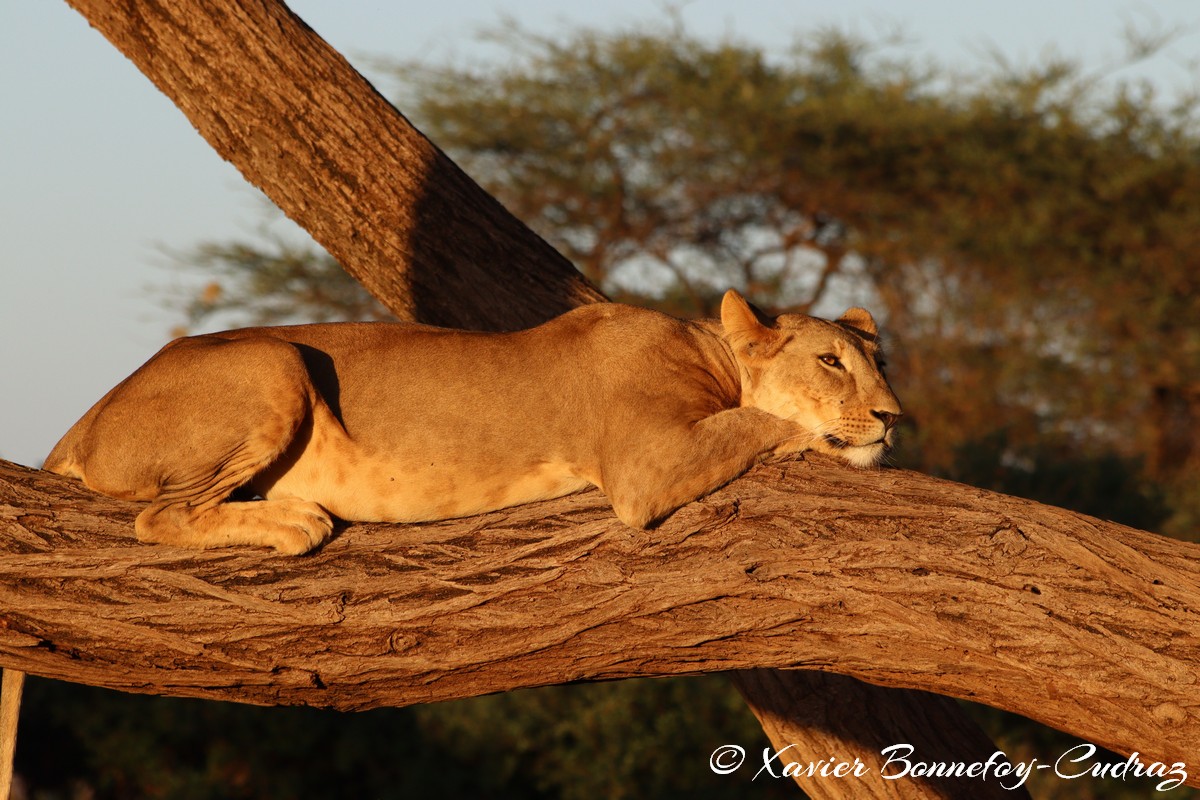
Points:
(297, 120)
(892, 577)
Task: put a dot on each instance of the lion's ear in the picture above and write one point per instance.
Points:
(751, 340)
(861, 320)
(737, 317)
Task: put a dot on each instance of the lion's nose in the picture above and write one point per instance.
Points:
(888, 418)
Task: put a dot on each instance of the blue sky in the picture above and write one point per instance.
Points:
(99, 173)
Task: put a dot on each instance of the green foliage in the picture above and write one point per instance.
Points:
(632, 739)
(133, 746)
(642, 738)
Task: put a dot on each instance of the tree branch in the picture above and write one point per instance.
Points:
(893, 577)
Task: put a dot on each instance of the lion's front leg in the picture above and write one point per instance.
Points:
(670, 468)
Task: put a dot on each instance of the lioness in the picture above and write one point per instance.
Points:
(398, 422)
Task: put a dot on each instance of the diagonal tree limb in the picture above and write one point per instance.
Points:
(286, 109)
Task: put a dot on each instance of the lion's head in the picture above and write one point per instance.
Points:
(824, 375)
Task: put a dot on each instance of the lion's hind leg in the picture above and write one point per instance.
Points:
(196, 512)
(194, 424)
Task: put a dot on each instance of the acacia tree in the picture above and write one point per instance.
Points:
(784, 583)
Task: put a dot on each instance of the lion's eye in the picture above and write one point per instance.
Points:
(830, 360)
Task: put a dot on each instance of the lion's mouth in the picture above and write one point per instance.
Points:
(860, 455)
(842, 444)
(835, 442)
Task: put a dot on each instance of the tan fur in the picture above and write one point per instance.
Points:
(407, 423)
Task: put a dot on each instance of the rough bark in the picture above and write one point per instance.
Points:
(893, 577)
(289, 112)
